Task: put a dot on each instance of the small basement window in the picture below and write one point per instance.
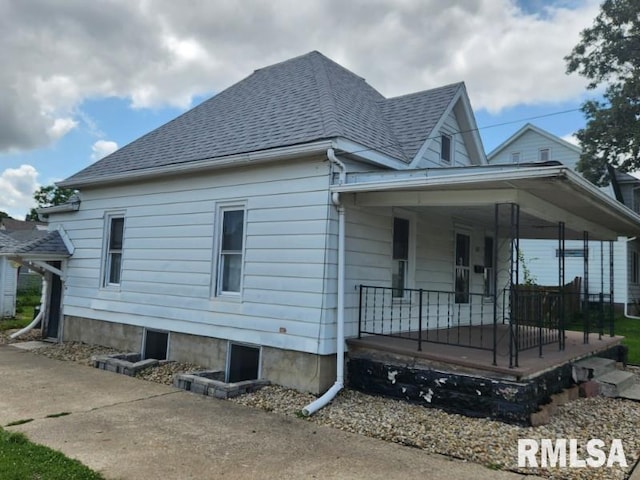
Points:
(156, 344)
(243, 363)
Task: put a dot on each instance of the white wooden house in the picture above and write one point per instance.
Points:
(300, 207)
(533, 144)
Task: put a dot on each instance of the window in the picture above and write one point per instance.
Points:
(544, 154)
(636, 200)
(156, 344)
(243, 363)
(231, 248)
(515, 157)
(489, 285)
(445, 148)
(400, 256)
(463, 253)
(113, 258)
(635, 275)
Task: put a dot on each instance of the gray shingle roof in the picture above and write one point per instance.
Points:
(305, 99)
(37, 243)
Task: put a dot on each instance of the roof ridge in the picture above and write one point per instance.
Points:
(331, 125)
(428, 90)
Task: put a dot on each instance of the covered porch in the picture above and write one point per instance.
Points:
(455, 298)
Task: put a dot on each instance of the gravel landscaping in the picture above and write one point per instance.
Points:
(483, 441)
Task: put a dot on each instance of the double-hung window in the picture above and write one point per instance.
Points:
(231, 250)
(400, 257)
(113, 257)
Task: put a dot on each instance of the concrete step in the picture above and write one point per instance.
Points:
(631, 393)
(592, 367)
(614, 382)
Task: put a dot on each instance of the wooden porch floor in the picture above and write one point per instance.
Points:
(476, 361)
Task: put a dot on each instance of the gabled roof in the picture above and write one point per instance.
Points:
(532, 128)
(299, 101)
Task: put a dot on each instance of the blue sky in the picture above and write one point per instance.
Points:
(83, 78)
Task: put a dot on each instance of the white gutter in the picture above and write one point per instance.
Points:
(204, 164)
(40, 316)
(626, 289)
(339, 383)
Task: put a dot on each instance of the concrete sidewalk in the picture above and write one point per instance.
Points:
(132, 429)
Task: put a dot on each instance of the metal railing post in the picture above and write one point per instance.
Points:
(420, 321)
(360, 314)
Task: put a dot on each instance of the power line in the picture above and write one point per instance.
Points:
(485, 127)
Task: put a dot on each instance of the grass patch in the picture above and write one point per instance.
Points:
(21, 459)
(20, 422)
(630, 329)
(13, 323)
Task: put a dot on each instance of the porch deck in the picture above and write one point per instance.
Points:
(477, 361)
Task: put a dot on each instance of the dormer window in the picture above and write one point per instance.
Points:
(445, 148)
(544, 154)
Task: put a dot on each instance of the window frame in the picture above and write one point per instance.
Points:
(220, 254)
(108, 251)
(540, 152)
(514, 159)
(449, 151)
(464, 268)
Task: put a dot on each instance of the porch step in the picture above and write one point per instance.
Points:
(613, 383)
(631, 393)
(591, 368)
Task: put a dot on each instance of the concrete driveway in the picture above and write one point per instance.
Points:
(132, 429)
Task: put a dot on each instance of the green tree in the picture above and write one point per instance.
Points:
(4, 214)
(608, 54)
(49, 196)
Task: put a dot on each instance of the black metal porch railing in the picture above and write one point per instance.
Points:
(528, 317)
(427, 316)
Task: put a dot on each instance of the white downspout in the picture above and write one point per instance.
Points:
(626, 289)
(339, 383)
(40, 316)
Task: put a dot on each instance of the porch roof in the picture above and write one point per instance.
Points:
(547, 193)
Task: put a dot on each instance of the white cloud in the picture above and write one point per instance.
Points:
(102, 148)
(56, 54)
(17, 186)
(61, 126)
(571, 138)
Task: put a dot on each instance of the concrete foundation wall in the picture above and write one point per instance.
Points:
(127, 338)
(302, 371)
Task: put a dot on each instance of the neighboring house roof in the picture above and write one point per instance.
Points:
(529, 127)
(299, 101)
(33, 243)
(11, 224)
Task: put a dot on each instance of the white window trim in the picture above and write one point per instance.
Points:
(144, 340)
(105, 264)
(468, 232)
(220, 209)
(411, 268)
(451, 148)
(519, 157)
(540, 150)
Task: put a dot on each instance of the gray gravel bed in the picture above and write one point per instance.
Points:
(483, 441)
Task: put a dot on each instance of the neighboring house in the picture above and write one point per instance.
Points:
(531, 144)
(300, 207)
(10, 272)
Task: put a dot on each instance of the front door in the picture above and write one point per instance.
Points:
(55, 297)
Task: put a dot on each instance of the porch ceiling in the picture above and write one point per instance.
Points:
(546, 196)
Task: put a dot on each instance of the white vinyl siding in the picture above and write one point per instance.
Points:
(170, 261)
(529, 146)
(459, 153)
